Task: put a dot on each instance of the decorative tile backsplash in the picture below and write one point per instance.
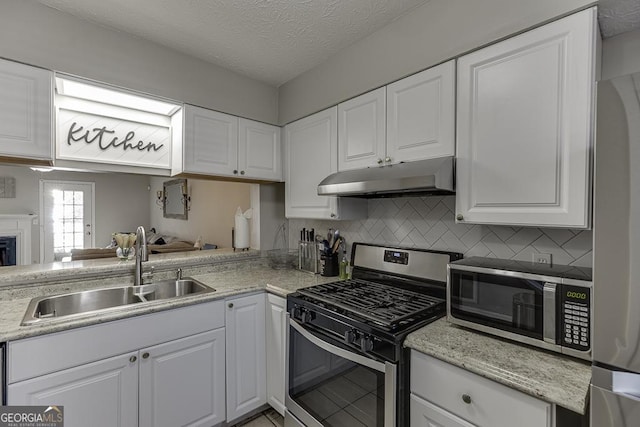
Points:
(428, 222)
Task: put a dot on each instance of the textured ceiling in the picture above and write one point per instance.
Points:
(269, 40)
(618, 16)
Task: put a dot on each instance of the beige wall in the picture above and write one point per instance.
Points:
(212, 214)
(122, 200)
(621, 55)
(426, 36)
(35, 34)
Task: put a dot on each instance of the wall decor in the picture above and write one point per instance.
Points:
(7, 187)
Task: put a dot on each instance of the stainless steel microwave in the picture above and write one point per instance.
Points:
(537, 304)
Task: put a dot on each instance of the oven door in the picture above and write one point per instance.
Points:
(328, 385)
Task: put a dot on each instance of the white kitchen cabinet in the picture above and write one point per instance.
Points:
(169, 365)
(311, 154)
(182, 382)
(245, 349)
(426, 414)
(224, 145)
(26, 111)
(101, 394)
(210, 142)
(411, 119)
(259, 153)
(525, 127)
(450, 396)
(276, 333)
(421, 115)
(361, 131)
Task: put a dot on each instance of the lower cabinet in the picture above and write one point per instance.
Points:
(161, 369)
(276, 331)
(445, 395)
(182, 382)
(100, 394)
(246, 361)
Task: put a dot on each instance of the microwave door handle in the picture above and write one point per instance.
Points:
(549, 294)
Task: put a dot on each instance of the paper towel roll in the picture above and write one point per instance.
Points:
(242, 235)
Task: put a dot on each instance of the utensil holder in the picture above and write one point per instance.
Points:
(329, 265)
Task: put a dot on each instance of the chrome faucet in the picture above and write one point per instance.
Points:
(141, 254)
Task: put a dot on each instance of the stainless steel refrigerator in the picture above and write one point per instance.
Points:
(615, 389)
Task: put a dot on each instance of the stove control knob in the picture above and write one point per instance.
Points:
(350, 336)
(295, 312)
(366, 344)
(307, 316)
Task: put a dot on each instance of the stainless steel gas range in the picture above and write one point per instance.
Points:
(345, 361)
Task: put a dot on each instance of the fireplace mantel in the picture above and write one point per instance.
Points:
(19, 225)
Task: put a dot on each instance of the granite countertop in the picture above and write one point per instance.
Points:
(240, 273)
(548, 376)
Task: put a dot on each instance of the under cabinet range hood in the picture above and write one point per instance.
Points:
(423, 177)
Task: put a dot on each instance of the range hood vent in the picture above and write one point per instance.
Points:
(424, 177)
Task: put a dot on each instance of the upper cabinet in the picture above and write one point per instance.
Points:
(311, 146)
(225, 145)
(411, 119)
(525, 127)
(26, 111)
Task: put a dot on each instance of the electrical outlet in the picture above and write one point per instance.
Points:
(541, 258)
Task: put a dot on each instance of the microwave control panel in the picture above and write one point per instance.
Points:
(575, 315)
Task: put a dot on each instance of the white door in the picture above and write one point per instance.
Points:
(421, 115)
(246, 362)
(259, 154)
(67, 218)
(26, 111)
(182, 382)
(361, 131)
(525, 124)
(276, 346)
(210, 142)
(99, 394)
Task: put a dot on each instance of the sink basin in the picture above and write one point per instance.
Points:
(76, 304)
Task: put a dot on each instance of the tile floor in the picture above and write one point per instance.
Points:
(268, 418)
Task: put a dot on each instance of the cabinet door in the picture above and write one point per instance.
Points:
(361, 131)
(26, 111)
(525, 127)
(246, 362)
(311, 146)
(210, 142)
(259, 154)
(426, 414)
(276, 346)
(421, 115)
(100, 394)
(182, 382)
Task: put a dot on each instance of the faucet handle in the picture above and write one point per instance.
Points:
(148, 276)
(179, 274)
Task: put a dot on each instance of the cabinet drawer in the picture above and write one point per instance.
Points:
(489, 403)
(32, 357)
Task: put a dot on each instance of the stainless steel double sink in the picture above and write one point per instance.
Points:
(76, 304)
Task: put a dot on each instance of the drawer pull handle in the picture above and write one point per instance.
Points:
(466, 399)
(145, 355)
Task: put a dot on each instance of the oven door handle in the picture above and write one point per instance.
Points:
(356, 358)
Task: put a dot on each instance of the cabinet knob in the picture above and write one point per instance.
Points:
(230, 305)
(387, 159)
(459, 217)
(333, 215)
(145, 355)
(466, 399)
(235, 171)
(379, 161)
(133, 359)
(241, 172)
